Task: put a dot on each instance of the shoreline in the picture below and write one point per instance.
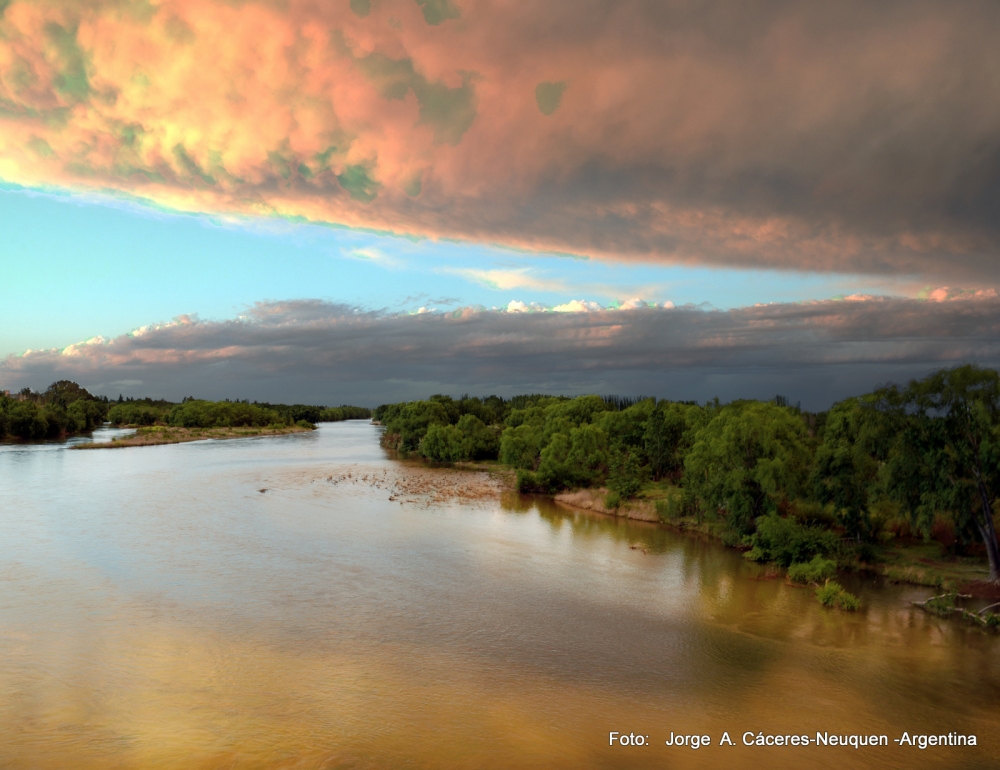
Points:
(157, 435)
(906, 563)
(909, 563)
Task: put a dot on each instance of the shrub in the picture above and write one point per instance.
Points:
(675, 505)
(832, 594)
(527, 482)
(812, 571)
(306, 424)
(813, 514)
(786, 542)
(612, 500)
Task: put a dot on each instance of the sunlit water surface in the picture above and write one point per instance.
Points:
(158, 611)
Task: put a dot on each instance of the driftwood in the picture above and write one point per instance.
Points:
(980, 619)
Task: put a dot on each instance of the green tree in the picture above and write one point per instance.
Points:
(519, 446)
(625, 472)
(444, 443)
(480, 441)
(87, 414)
(65, 392)
(949, 447)
(846, 468)
(5, 404)
(577, 459)
(408, 424)
(663, 438)
(748, 457)
(26, 421)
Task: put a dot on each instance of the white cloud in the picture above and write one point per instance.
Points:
(371, 255)
(504, 280)
(577, 306)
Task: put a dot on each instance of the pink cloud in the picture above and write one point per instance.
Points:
(764, 134)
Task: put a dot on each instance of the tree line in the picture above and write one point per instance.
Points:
(792, 486)
(197, 413)
(66, 409)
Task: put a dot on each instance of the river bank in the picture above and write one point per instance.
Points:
(910, 562)
(157, 435)
(913, 563)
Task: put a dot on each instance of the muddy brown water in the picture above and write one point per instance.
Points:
(158, 611)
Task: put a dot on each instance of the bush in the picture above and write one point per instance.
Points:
(786, 542)
(612, 500)
(675, 505)
(832, 594)
(527, 482)
(867, 553)
(812, 571)
(306, 424)
(813, 514)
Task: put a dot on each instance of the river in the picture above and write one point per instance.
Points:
(157, 610)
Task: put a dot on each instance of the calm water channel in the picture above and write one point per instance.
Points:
(158, 611)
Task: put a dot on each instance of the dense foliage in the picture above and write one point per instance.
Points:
(66, 408)
(63, 409)
(792, 487)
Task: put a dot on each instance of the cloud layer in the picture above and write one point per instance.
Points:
(859, 137)
(320, 352)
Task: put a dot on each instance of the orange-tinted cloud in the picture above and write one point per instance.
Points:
(861, 137)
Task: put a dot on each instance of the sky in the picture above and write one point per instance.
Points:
(370, 200)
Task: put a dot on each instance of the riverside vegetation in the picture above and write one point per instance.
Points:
(882, 481)
(66, 409)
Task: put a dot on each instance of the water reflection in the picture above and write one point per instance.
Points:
(157, 610)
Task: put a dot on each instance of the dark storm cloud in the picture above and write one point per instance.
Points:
(314, 351)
